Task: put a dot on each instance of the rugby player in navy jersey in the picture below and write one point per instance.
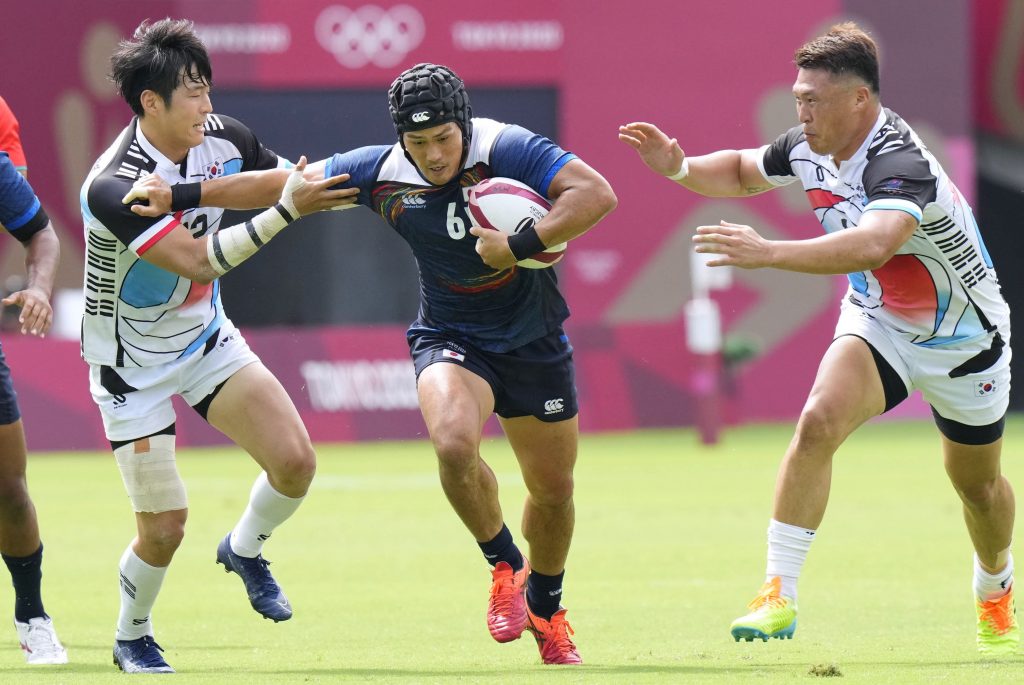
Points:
(489, 337)
(154, 325)
(25, 219)
(923, 311)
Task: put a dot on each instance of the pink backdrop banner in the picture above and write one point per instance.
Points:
(355, 384)
(716, 75)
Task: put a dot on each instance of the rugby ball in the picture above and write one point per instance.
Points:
(511, 206)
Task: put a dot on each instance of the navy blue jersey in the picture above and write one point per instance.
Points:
(460, 295)
(20, 211)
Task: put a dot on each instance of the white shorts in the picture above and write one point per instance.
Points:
(973, 399)
(129, 413)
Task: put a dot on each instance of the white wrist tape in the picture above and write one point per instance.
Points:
(684, 171)
(229, 247)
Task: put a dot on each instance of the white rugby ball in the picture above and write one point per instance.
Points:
(511, 206)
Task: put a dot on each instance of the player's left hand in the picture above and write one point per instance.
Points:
(152, 189)
(36, 314)
(737, 244)
(492, 246)
(659, 152)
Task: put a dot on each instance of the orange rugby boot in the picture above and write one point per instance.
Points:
(506, 609)
(553, 641)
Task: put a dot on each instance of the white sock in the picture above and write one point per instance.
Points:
(787, 549)
(140, 584)
(988, 587)
(267, 509)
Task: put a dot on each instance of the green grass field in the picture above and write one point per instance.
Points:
(388, 587)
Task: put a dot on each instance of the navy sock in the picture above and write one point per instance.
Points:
(26, 576)
(502, 548)
(544, 594)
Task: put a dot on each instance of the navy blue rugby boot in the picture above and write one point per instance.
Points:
(140, 656)
(265, 594)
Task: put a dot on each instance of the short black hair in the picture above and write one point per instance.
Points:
(845, 49)
(159, 57)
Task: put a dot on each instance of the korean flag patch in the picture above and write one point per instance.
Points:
(985, 387)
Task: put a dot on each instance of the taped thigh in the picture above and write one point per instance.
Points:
(150, 474)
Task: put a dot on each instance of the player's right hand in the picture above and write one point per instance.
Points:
(307, 197)
(152, 189)
(659, 152)
(36, 313)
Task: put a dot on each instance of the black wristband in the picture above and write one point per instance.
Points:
(525, 244)
(185, 196)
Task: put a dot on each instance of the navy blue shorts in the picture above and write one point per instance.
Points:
(537, 379)
(9, 412)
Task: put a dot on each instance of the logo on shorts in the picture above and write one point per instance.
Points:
(119, 401)
(983, 388)
(554, 406)
(452, 354)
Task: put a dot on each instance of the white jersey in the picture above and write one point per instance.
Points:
(137, 314)
(940, 287)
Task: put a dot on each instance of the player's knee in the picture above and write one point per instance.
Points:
(553, 492)
(456, 451)
(819, 427)
(293, 467)
(150, 475)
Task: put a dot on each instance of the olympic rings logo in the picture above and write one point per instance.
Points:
(369, 34)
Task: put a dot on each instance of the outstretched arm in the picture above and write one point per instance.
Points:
(247, 190)
(726, 173)
(207, 258)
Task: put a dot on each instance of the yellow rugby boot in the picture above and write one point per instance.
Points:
(998, 632)
(771, 615)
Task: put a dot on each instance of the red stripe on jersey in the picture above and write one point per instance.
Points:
(160, 234)
(823, 199)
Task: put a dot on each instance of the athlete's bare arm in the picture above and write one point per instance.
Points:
(247, 190)
(726, 173)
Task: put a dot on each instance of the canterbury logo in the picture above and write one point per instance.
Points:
(414, 201)
(419, 117)
(554, 406)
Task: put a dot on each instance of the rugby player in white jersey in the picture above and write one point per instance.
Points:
(154, 325)
(923, 311)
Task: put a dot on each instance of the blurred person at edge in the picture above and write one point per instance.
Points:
(28, 308)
